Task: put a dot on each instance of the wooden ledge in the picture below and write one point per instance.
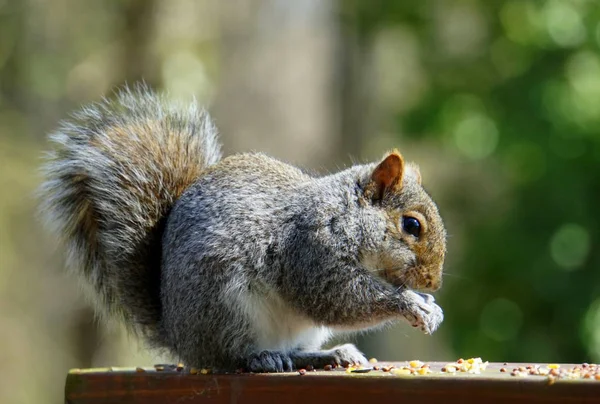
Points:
(126, 385)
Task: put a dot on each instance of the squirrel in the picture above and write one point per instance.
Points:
(238, 262)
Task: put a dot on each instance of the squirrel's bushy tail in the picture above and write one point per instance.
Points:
(116, 169)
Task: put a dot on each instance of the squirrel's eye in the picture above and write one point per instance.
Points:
(411, 226)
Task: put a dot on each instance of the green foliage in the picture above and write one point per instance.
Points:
(513, 89)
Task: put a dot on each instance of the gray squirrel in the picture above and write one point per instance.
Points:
(237, 262)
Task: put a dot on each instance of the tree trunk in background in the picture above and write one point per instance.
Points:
(137, 36)
(275, 87)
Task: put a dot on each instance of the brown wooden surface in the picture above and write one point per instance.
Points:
(94, 386)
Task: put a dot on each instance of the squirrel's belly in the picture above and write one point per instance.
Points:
(278, 327)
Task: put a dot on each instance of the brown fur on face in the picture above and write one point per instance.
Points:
(417, 262)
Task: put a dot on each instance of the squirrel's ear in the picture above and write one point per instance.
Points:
(387, 176)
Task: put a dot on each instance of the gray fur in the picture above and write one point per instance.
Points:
(109, 229)
(260, 263)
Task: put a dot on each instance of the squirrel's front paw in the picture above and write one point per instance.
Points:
(421, 311)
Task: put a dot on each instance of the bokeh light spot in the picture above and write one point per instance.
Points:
(564, 23)
(184, 74)
(476, 136)
(570, 245)
(501, 319)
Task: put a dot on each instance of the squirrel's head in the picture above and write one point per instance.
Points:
(409, 246)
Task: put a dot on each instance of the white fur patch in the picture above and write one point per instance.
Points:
(279, 327)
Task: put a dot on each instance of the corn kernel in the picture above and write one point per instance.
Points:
(372, 360)
(415, 364)
(553, 366)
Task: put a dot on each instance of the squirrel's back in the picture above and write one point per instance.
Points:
(115, 171)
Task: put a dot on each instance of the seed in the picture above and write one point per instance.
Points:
(597, 376)
(551, 380)
(372, 360)
(401, 372)
(554, 372)
(159, 368)
(302, 372)
(415, 364)
(423, 371)
(193, 371)
(204, 371)
(310, 368)
(387, 368)
(553, 366)
(179, 367)
(503, 370)
(461, 360)
(376, 368)
(327, 367)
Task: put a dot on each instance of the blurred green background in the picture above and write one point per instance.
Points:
(498, 101)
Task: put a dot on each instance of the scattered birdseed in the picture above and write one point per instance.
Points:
(554, 372)
(204, 371)
(365, 370)
(472, 365)
(401, 372)
(423, 371)
(139, 369)
(415, 364)
(327, 367)
(193, 371)
(302, 372)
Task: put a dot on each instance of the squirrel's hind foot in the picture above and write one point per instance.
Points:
(270, 362)
(342, 355)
